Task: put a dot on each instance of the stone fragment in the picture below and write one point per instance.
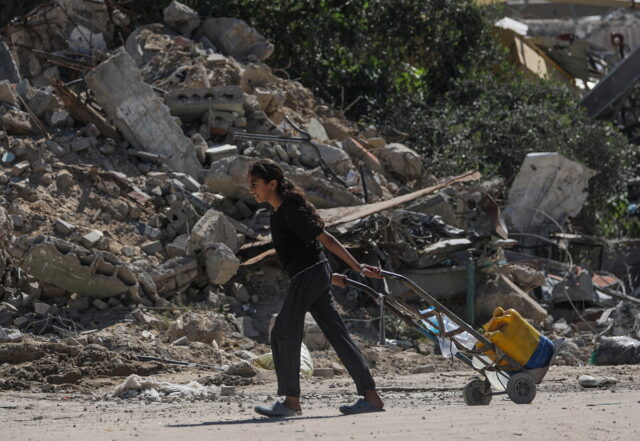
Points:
(152, 247)
(335, 129)
(20, 168)
(221, 263)
(10, 335)
(41, 309)
(175, 274)
(181, 17)
(91, 239)
(314, 338)
(240, 292)
(506, 294)
(7, 94)
(236, 38)
(316, 130)
(182, 341)
(221, 151)
(334, 157)
(426, 369)
(213, 227)
(402, 162)
(200, 327)
(139, 114)
(243, 369)
(64, 180)
(64, 227)
(179, 246)
(17, 122)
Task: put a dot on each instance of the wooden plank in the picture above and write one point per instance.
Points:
(341, 215)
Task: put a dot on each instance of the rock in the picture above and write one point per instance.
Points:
(17, 122)
(323, 372)
(174, 274)
(41, 309)
(360, 153)
(235, 38)
(313, 336)
(42, 101)
(426, 369)
(245, 324)
(64, 180)
(179, 246)
(335, 129)
(63, 227)
(10, 335)
(58, 119)
(213, 227)
(20, 168)
(245, 355)
(402, 162)
(139, 114)
(221, 151)
(336, 158)
(199, 327)
(7, 94)
(91, 239)
(84, 144)
(182, 341)
(181, 17)
(588, 381)
(152, 247)
(243, 369)
(506, 294)
(221, 263)
(69, 377)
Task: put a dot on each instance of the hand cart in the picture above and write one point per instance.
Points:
(502, 374)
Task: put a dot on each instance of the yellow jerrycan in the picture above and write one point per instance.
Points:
(518, 339)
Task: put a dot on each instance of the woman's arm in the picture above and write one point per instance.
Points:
(332, 244)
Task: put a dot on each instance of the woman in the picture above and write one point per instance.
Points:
(297, 232)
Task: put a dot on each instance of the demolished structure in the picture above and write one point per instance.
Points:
(124, 170)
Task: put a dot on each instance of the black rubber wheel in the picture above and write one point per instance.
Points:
(477, 392)
(521, 388)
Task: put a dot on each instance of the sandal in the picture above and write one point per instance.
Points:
(277, 409)
(360, 406)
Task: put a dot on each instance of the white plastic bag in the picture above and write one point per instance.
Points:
(265, 361)
(447, 347)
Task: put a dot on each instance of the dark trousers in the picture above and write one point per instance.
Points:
(310, 291)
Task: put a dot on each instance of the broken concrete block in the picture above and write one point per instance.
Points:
(335, 129)
(10, 335)
(221, 263)
(316, 130)
(235, 38)
(221, 151)
(7, 94)
(64, 180)
(259, 122)
(93, 274)
(91, 239)
(506, 294)
(41, 309)
(152, 247)
(218, 122)
(81, 144)
(191, 104)
(400, 161)
(334, 157)
(213, 227)
(182, 341)
(175, 274)
(179, 246)
(43, 100)
(200, 327)
(181, 17)
(20, 168)
(547, 185)
(245, 325)
(139, 114)
(17, 122)
(64, 227)
(426, 369)
(188, 182)
(200, 146)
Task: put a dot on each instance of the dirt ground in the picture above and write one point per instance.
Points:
(421, 406)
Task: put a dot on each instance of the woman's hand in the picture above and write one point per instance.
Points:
(371, 271)
(338, 279)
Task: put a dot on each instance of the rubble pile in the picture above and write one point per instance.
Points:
(130, 240)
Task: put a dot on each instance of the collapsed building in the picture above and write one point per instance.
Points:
(125, 198)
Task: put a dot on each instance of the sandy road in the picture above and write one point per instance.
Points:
(427, 406)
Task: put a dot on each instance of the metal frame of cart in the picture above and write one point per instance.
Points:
(502, 374)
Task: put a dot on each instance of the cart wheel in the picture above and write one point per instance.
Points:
(477, 393)
(521, 388)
